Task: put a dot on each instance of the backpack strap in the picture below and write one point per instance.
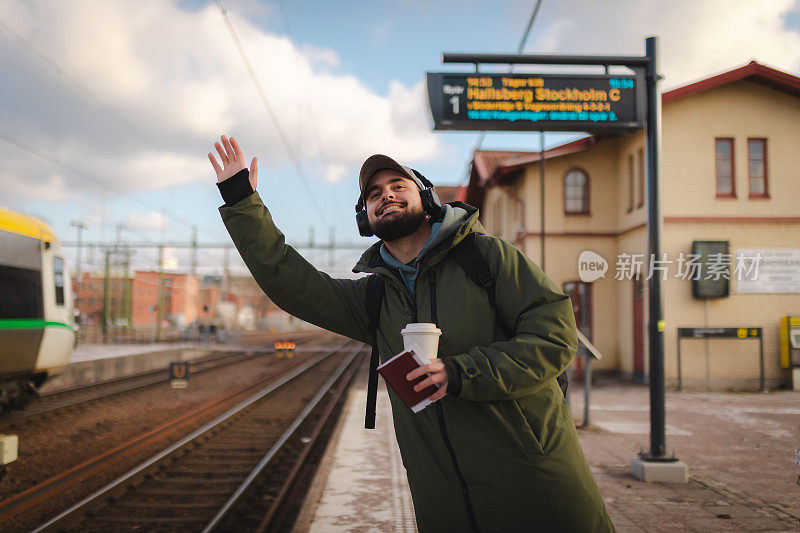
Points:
(375, 292)
(471, 260)
(474, 264)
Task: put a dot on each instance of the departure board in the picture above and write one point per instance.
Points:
(533, 102)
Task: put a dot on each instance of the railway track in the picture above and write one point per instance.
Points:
(24, 504)
(54, 402)
(196, 482)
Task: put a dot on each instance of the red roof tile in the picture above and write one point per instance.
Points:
(754, 71)
(451, 194)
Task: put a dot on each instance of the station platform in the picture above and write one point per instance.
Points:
(92, 351)
(739, 448)
(361, 483)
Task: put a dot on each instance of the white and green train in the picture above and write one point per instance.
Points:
(37, 332)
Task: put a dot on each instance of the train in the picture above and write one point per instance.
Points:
(37, 328)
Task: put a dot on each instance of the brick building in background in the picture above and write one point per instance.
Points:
(179, 298)
(233, 302)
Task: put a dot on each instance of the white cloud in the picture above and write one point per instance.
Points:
(175, 77)
(697, 38)
(321, 56)
(51, 188)
(334, 173)
(151, 221)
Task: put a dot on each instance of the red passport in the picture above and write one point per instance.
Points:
(394, 372)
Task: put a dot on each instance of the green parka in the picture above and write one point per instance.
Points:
(501, 456)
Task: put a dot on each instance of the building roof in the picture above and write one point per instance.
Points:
(753, 71)
(451, 194)
(495, 167)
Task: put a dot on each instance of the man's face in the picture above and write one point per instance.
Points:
(394, 207)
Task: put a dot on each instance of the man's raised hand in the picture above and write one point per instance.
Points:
(232, 161)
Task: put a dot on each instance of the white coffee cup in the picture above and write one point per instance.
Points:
(425, 334)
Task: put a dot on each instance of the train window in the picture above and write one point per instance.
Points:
(22, 293)
(58, 279)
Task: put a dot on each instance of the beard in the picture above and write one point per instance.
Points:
(398, 226)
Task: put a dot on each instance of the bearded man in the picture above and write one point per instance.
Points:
(497, 450)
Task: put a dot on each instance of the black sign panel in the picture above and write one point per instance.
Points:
(724, 333)
(713, 279)
(533, 102)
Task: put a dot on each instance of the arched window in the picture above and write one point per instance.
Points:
(576, 192)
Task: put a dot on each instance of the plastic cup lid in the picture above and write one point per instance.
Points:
(421, 327)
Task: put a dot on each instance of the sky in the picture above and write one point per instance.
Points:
(108, 109)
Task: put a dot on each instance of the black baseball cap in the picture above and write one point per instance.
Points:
(377, 162)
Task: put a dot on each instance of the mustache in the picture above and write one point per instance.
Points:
(383, 208)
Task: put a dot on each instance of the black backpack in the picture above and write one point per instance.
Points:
(468, 256)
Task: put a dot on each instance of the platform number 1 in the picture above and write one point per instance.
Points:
(454, 100)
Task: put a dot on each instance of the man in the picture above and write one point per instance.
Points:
(498, 451)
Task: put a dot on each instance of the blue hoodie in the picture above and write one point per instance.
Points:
(452, 219)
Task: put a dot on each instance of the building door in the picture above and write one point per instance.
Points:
(638, 330)
(581, 295)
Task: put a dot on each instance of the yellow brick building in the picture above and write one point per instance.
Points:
(730, 172)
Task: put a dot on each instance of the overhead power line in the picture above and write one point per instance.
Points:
(83, 91)
(57, 161)
(80, 88)
(520, 49)
(309, 102)
(525, 35)
(273, 116)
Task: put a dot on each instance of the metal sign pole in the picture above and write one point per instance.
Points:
(761, 359)
(680, 373)
(656, 321)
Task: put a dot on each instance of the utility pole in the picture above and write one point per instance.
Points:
(196, 302)
(160, 290)
(194, 250)
(331, 241)
(126, 287)
(119, 291)
(81, 226)
(226, 283)
(106, 297)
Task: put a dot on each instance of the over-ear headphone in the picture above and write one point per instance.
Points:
(430, 204)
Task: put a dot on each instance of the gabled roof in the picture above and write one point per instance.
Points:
(451, 194)
(753, 71)
(496, 167)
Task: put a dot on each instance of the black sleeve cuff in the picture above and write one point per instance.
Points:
(453, 377)
(236, 188)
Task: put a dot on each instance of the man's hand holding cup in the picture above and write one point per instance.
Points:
(426, 337)
(438, 377)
